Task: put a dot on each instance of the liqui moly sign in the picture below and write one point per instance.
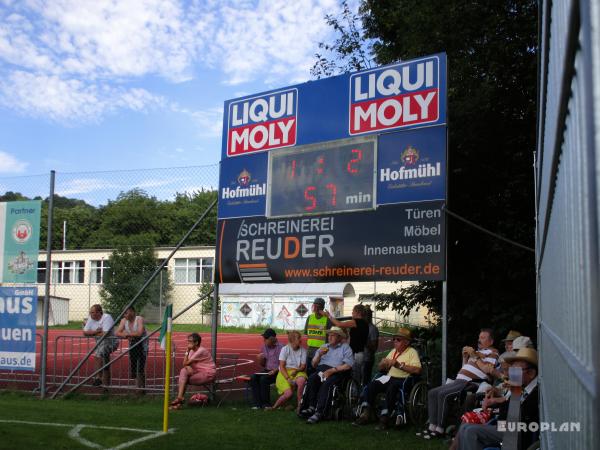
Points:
(262, 123)
(395, 96)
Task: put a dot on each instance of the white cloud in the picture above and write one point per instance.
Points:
(81, 59)
(84, 186)
(273, 39)
(11, 165)
(210, 121)
(69, 100)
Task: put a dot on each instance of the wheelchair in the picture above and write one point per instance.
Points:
(342, 399)
(415, 398)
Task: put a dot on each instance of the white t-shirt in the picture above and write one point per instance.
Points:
(293, 358)
(105, 322)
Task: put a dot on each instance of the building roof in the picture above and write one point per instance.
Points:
(300, 289)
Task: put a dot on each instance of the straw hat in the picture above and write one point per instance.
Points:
(511, 336)
(522, 342)
(529, 355)
(403, 333)
(337, 330)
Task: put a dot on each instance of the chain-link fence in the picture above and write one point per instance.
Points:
(130, 220)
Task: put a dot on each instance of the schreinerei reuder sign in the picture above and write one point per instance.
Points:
(356, 151)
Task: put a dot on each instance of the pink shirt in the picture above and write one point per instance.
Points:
(204, 362)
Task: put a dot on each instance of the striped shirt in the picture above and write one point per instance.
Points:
(470, 371)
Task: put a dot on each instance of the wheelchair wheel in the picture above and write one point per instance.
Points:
(417, 404)
(351, 396)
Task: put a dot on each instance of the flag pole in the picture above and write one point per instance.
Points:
(167, 371)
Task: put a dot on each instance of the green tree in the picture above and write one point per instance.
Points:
(492, 51)
(129, 269)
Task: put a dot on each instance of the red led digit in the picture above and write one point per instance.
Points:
(311, 198)
(293, 172)
(333, 190)
(357, 157)
(321, 162)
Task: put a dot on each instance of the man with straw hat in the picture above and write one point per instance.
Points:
(401, 362)
(478, 437)
(332, 362)
(508, 343)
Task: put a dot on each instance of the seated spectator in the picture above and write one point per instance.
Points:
(371, 347)
(132, 328)
(198, 368)
(333, 362)
(292, 366)
(522, 342)
(508, 342)
(359, 336)
(97, 325)
(478, 437)
(268, 359)
(398, 365)
(477, 364)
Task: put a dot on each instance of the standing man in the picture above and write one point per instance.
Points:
(96, 326)
(315, 329)
(371, 347)
(268, 359)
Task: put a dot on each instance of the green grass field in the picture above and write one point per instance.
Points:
(228, 427)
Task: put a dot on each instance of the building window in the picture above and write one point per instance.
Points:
(193, 270)
(98, 268)
(68, 272)
(41, 272)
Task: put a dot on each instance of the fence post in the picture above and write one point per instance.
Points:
(47, 288)
(215, 318)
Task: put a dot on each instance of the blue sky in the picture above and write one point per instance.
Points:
(89, 85)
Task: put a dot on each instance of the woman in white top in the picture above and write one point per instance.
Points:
(292, 366)
(132, 328)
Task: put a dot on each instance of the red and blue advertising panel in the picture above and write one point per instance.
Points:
(358, 148)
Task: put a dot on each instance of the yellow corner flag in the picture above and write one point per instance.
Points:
(165, 339)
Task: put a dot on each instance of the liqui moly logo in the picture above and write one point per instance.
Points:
(396, 96)
(262, 123)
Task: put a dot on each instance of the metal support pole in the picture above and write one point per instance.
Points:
(47, 287)
(215, 318)
(444, 330)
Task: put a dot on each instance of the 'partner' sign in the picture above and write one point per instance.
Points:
(17, 328)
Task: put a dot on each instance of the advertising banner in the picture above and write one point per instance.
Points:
(394, 242)
(17, 328)
(411, 166)
(407, 94)
(19, 241)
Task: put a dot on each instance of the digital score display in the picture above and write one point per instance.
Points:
(325, 178)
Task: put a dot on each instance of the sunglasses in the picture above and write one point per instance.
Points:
(398, 339)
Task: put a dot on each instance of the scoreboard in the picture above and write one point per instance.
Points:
(322, 179)
(336, 179)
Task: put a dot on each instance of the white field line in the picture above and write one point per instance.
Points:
(76, 429)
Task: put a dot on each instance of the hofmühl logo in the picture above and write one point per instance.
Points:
(244, 187)
(410, 156)
(244, 178)
(409, 169)
(21, 231)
